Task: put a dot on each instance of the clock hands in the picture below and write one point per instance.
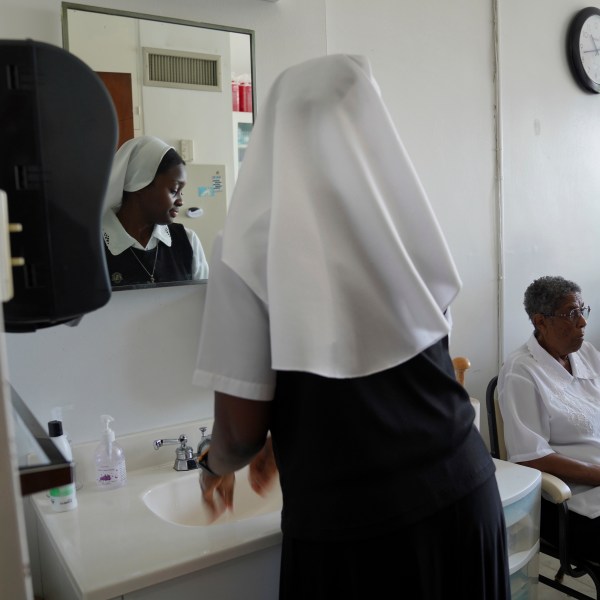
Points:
(583, 52)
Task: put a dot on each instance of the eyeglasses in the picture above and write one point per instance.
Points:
(575, 314)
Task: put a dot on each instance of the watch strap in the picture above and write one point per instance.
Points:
(203, 458)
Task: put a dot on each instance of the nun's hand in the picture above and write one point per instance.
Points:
(217, 493)
(262, 472)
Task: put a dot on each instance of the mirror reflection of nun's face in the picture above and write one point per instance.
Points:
(161, 200)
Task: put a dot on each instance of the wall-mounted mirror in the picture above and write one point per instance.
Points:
(188, 83)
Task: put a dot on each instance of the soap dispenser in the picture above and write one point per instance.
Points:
(110, 459)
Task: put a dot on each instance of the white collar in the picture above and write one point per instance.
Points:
(117, 240)
(583, 363)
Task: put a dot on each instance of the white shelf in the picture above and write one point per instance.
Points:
(244, 119)
(518, 560)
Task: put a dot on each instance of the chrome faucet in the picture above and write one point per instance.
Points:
(185, 457)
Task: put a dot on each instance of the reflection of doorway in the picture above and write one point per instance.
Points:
(119, 87)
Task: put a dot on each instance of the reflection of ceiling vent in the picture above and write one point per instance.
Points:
(187, 70)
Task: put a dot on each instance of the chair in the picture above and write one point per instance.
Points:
(461, 364)
(554, 490)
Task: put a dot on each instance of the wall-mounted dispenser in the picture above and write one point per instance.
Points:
(58, 135)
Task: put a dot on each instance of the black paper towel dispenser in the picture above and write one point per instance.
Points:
(58, 133)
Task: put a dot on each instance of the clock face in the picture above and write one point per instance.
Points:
(589, 47)
(583, 46)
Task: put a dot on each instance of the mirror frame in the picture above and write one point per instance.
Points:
(66, 6)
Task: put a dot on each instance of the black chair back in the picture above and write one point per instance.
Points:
(490, 404)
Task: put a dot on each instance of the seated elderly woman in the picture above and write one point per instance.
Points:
(549, 396)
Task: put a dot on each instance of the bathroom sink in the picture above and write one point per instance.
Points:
(179, 501)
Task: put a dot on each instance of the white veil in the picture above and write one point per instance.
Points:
(330, 227)
(134, 167)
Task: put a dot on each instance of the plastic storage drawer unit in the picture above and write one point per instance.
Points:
(520, 490)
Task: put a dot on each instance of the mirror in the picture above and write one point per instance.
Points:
(190, 84)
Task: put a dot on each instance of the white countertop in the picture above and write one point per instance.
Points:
(112, 543)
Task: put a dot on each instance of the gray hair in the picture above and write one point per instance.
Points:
(546, 294)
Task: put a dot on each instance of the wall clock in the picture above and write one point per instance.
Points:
(583, 48)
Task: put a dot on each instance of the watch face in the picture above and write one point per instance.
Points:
(583, 46)
(589, 47)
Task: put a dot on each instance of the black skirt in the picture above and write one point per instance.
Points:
(458, 552)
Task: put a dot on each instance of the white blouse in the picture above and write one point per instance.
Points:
(234, 355)
(545, 409)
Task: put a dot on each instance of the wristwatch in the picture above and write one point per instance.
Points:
(203, 449)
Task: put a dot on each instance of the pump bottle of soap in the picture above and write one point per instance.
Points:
(64, 497)
(110, 459)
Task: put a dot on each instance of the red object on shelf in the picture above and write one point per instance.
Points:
(235, 96)
(245, 96)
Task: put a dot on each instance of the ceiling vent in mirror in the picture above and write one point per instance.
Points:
(187, 70)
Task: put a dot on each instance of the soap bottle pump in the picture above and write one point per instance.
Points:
(63, 497)
(110, 459)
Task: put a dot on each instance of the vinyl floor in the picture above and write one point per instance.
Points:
(548, 567)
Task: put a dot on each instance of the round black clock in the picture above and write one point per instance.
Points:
(583, 48)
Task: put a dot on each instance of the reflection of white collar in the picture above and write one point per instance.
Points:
(117, 240)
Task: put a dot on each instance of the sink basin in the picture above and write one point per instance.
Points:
(179, 501)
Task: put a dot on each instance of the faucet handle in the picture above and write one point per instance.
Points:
(182, 440)
(202, 453)
(204, 440)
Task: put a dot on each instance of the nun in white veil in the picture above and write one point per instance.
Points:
(325, 338)
(143, 244)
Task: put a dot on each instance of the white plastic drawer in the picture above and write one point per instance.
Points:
(523, 522)
(524, 581)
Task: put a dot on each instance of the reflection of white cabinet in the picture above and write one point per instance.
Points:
(520, 489)
(242, 127)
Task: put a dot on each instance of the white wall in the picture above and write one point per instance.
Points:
(551, 156)
(436, 64)
(87, 40)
